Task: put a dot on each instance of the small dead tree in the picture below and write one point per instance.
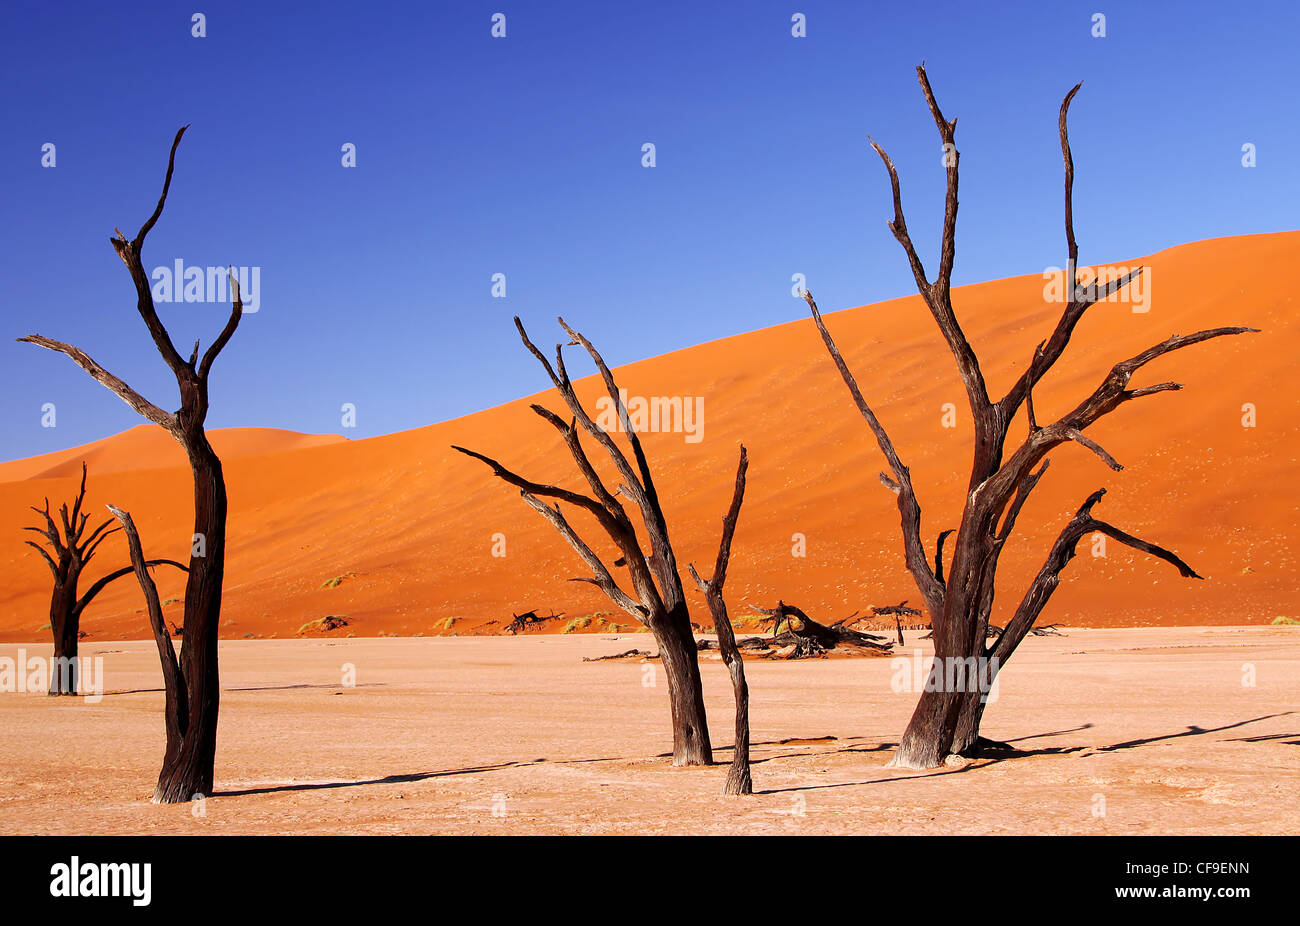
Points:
(947, 721)
(176, 712)
(660, 602)
(521, 622)
(188, 772)
(898, 611)
(71, 550)
(738, 777)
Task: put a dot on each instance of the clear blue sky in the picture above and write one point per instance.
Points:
(522, 156)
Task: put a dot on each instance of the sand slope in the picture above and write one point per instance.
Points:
(410, 525)
(148, 447)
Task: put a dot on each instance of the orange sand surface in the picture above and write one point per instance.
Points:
(408, 525)
(1121, 731)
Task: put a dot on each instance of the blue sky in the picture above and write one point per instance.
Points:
(522, 155)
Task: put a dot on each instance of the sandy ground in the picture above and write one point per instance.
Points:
(1133, 731)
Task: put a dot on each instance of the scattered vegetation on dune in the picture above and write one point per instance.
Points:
(337, 580)
(325, 624)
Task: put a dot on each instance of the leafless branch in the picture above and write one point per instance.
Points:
(601, 578)
(1063, 550)
(121, 389)
(901, 483)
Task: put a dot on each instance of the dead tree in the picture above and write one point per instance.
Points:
(960, 602)
(898, 611)
(176, 704)
(71, 550)
(659, 602)
(738, 777)
(521, 622)
(813, 638)
(189, 771)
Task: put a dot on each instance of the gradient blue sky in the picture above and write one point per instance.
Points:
(523, 156)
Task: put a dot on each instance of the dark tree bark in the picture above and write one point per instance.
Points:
(521, 622)
(71, 550)
(738, 777)
(658, 600)
(814, 638)
(187, 773)
(948, 721)
(176, 710)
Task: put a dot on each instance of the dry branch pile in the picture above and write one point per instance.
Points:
(521, 622)
(795, 635)
(626, 654)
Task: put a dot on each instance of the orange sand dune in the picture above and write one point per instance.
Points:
(410, 526)
(147, 447)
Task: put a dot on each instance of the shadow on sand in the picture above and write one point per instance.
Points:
(991, 755)
(341, 688)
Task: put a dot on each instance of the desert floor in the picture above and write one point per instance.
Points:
(1150, 730)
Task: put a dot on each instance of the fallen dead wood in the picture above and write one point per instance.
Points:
(803, 637)
(522, 622)
(1047, 630)
(626, 654)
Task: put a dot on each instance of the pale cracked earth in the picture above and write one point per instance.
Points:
(1152, 730)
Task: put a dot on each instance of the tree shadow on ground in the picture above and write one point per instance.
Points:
(127, 691)
(994, 753)
(1192, 730)
(386, 780)
(1290, 739)
(938, 773)
(853, 744)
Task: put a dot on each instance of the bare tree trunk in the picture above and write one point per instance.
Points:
(176, 711)
(970, 713)
(958, 679)
(189, 774)
(948, 712)
(64, 627)
(927, 741)
(739, 780)
(680, 656)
